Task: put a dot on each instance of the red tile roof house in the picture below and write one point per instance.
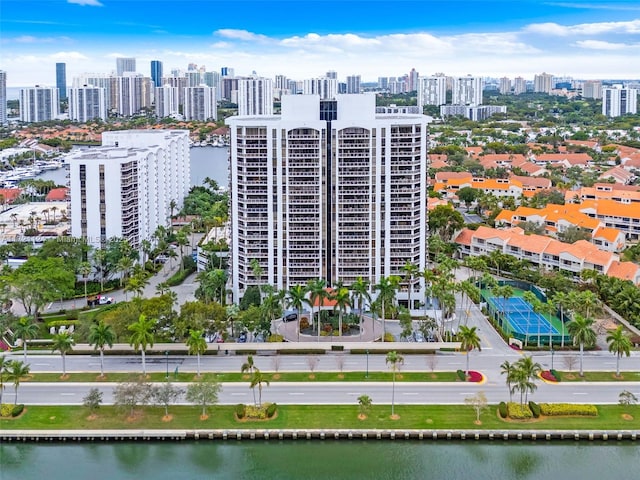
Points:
(620, 175)
(10, 194)
(57, 195)
(565, 160)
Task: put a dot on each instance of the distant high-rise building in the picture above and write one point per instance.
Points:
(619, 101)
(87, 103)
(200, 103)
(3, 97)
(413, 80)
(331, 74)
(133, 92)
(338, 194)
(180, 83)
(211, 79)
(326, 87)
(156, 73)
(467, 91)
(519, 86)
(125, 64)
(61, 80)
(383, 83)
(543, 83)
(592, 89)
(255, 96)
(353, 84)
(126, 187)
(227, 72)
(167, 101)
(39, 104)
(193, 78)
(432, 90)
(505, 86)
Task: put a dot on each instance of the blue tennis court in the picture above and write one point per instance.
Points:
(521, 316)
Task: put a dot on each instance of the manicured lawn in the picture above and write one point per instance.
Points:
(239, 377)
(312, 416)
(600, 377)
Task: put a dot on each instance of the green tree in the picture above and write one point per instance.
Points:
(619, 344)
(165, 395)
(469, 341)
(249, 367)
(142, 337)
(507, 369)
(468, 195)
(258, 379)
(364, 405)
(343, 302)
(203, 393)
(394, 359)
(100, 336)
(317, 294)
(92, 400)
(295, 299)
(197, 345)
(16, 371)
(574, 233)
(4, 365)
(410, 270)
(524, 374)
(25, 329)
(63, 343)
(360, 292)
(84, 269)
(580, 329)
(444, 221)
(386, 287)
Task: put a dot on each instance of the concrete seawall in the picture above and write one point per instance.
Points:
(302, 434)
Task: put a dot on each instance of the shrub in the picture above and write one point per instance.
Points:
(271, 410)
(535, 409)
(388, 337)
(502, 410)
(304, 323)
(256, 413)
(518, 412)
(274, 337)
(66, 323)
(6, 409)
(240, 410)
(461, 375)
(559, 409)
(17, 410)
(556, 374)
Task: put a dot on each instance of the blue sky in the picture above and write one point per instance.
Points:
(304, 39)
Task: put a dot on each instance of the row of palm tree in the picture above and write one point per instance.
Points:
(521, 377)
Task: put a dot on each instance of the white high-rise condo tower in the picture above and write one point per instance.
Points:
(467, 91)
(3, 97)
(39, 104)
(619, 101)
(125, 64)
(328, 189)
(87, 103)
(200, 103)
(432, 90)
(255, 96)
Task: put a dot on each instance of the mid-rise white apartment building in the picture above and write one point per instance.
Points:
(87, 103)
(328, 189)
(505, 86)
(432, 90)
(619, 101)
(353, 84)
(543, 83)
(592, 89)
(467, 91)
(124, 65)
(255, 96)
(124, 188)
(3, 97)
(133, 93)
(166, 101)
(519, 86)
(200, 103)
(38, 104)
(326, 88)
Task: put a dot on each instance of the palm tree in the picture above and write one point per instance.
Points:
(507, 368)
(25, 329)
(63, 343)
(620, 344)
(526, 371)
(394, 359)
(343, 301)
(360, 289)
(386, 287)
(561, 301)
(580, 329)
(16, 370)
(142, 337)
(257, 271)
(295, 299)
(4, 365)
(197, 344)
(249, 367)
(531, 299)
(317, 294)
(84, 269)
(469, 341)
(257, 380)
(101, 335)
(410, 270)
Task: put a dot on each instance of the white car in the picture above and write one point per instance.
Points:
(104, 300)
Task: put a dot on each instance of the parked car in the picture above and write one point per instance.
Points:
(291, 317)
(242, 338)
(104, 300)
(418, 336)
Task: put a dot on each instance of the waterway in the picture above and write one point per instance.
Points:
(209, 162)
(322, 460)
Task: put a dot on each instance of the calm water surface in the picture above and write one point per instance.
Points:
(326, 460)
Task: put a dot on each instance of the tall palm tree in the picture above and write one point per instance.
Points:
(257, 271)
(531, 299)
(469, 340)
(16, 370)
(25, 329)
(101, 335)
(619, 344)
(63, 343)
(360, 292)
(258, 379)
(317, 294)
(84, 269)
(507, 368)
(561, 301)
(142, 337)
(410, 270)
(580, 329)
(386, 288)
(526, 371)
(249, 367)
(343, 301)
(295, 299)
(394, 359)
(197, 344)
(4, 365)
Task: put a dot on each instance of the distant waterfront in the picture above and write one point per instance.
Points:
(310, 460)
(209, 162)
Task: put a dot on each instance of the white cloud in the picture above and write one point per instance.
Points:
(555, 29)
(601, 45)
(243, 35)
(87, 3)
(68, 56)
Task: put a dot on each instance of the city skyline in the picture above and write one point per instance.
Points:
(583, 40)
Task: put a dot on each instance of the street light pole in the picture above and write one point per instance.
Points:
(367, 375)
(166, 356)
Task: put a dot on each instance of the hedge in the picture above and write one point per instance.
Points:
(271, 410)
(461, 375)
(556, 409)
(240, 410)
(17, 410)
(555, 374)
(66, 323)
(502, 410)
(535, 409)
(519, 412)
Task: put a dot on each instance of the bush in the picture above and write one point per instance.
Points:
(555, 374)
(535, 409)
(559, 409)
(304, 323)
(274, 337)
(388, 337)
(240, 410)
(518, 412)
(66, 323)
(461, 375)
(6, 409)
(271, 410)
(255, 413)
(17, 410)
(502, 410)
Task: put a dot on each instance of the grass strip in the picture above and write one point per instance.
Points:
(610, 417)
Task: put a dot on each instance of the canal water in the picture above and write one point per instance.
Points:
(322, 460)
